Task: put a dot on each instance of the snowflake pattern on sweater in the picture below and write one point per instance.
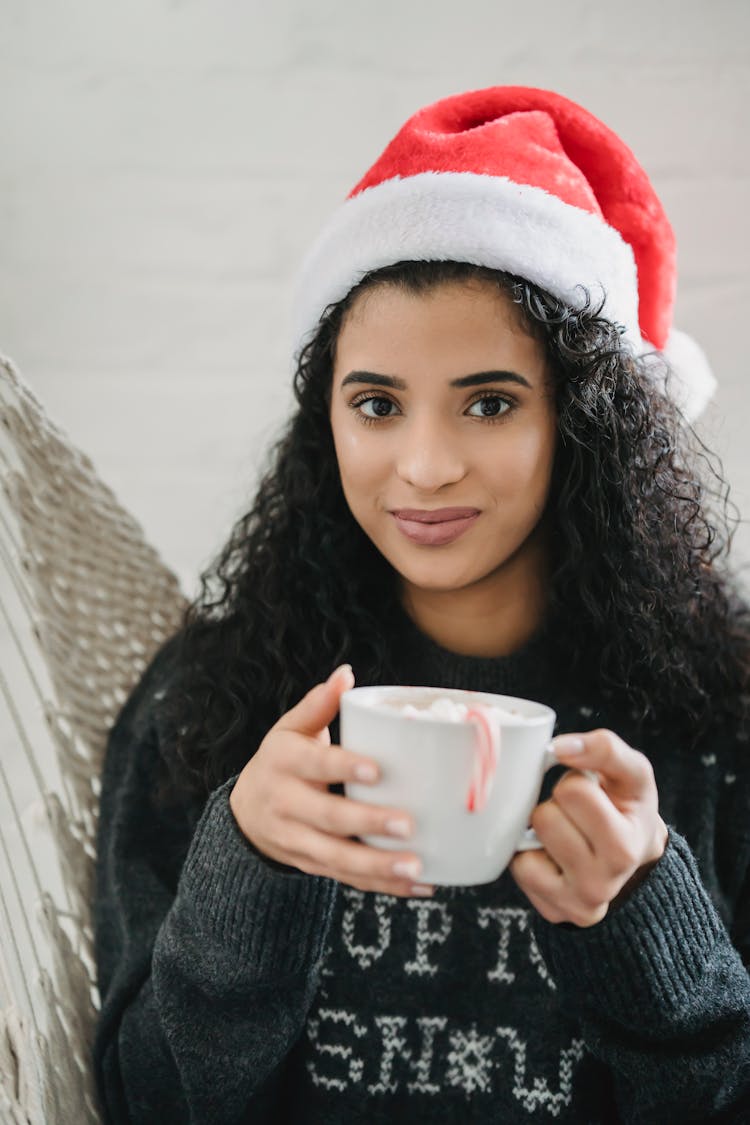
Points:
(414, 999)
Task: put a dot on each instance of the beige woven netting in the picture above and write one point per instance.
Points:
(84, 604)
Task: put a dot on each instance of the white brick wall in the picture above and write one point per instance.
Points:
(165, 164)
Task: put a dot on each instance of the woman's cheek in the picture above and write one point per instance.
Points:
(518, 462)
(531, 459)
(362, 464)
(349, 452)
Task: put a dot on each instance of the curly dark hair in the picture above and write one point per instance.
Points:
(639, 526)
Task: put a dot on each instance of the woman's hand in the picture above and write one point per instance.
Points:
(282, 803)
(599, 841)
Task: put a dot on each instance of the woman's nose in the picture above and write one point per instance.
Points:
(429, 457)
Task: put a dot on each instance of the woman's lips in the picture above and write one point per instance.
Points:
(433, 529)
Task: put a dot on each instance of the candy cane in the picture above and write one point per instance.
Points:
(486, 754)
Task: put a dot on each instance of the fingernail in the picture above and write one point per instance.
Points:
(365, 772)
(398, 827)
(407, 868)
(421, 890)
(348, 678)
(568, 744)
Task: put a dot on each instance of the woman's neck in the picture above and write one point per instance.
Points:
(493, 617)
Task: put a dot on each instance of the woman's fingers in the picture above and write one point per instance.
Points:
(328, 764)
(355, 864)
(342, 816)
(562, 838)
(576, 865)
(621, 818)
(626, 773)
(319, 706)
(598, 842)
(399, 887)
(600, 823)
(282, 804)
(546, 887)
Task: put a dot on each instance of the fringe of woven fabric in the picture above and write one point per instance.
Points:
(100, 602)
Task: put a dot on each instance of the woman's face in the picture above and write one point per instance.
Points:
(444, 425)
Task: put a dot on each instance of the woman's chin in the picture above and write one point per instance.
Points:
(437, 578)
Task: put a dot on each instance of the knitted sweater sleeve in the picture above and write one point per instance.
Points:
(662, 994)
(207, 957)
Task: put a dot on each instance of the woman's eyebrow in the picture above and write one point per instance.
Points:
(478, 379)
(378, 380)
(481, 377)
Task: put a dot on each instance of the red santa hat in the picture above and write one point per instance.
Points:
(526, 181)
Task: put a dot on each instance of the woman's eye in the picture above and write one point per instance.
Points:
(492, 406)
(380, 407)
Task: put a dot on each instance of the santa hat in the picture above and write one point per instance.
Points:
(521, 180)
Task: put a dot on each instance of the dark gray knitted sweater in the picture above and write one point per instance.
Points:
(233, 991)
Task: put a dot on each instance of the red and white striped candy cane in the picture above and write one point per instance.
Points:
(486, 755)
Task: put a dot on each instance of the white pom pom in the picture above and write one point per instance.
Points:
(693, 383)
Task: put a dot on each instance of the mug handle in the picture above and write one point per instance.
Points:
(529, 839)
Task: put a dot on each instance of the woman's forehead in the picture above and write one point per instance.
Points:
(455, 327)
(388, 296)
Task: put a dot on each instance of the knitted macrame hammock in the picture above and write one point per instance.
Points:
(84, 604)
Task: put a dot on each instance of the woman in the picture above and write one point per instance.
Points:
(486, 484)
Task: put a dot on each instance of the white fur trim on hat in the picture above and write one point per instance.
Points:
(468, 217)
(693, 383)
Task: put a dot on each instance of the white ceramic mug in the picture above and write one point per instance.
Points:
(429, 768)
